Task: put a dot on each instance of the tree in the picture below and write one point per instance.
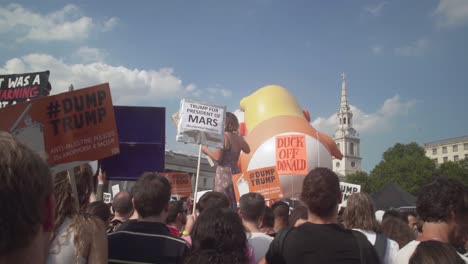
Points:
(405, 165)
(363, 179)
(454, 169)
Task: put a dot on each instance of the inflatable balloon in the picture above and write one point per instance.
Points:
(271, 114)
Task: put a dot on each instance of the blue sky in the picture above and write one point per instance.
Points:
(406, 61)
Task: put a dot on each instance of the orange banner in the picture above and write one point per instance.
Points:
(180, 181)
(264, 181)
(291, 154)
(73, 126)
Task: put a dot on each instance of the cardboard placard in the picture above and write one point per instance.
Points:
(291, 154)
(142, 141)
(73, 126)
(181, 183)
(201, 123)
(264, 181)
(107, 197)
(115, 190)
(347, 189)
(15, 88)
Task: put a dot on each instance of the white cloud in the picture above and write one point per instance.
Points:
(219, 91)
(109, 24)
(367, 123)
(377, 49)
(417, 48)
(86, 54)
(66, 24)
(376, 10)
(127, 85)
(451, 13)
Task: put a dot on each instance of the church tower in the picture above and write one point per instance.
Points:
(346, 138)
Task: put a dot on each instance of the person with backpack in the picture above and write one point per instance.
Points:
(320, 239)
(359, 215)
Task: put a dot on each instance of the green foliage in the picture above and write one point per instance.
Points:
(454, 169)
(405, 165)
(363, 179)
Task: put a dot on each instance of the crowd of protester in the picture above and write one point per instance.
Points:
(43, 221)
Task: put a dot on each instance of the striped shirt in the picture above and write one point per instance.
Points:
(145, 242)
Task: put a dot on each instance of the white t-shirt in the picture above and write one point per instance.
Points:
(391, 250)
(407, 251)
(260, 242)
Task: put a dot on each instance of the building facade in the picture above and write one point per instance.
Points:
(346, 138)
(453, 149)
(178, 162)
(187, 163)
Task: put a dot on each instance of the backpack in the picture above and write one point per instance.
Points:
(381, 246)
(367, 251)
(368, 254)
(277, 245)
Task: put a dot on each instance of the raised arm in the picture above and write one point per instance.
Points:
(244, 145)
(214, 155)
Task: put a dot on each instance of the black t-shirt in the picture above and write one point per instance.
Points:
(321, 243)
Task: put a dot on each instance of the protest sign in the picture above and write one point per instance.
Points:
(107, 197)
(291, 154)
(68, 127)
(115, 190)
(201, 123)
(142, 140)
(264, 181)
(181, 183)
(347, 189)
(21, 87)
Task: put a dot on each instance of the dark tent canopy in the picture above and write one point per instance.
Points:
(392, 196)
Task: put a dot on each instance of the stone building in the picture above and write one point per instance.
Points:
(453, 149)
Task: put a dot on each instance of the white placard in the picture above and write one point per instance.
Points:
(201, 123)
(115, 190)
(106, 197)
(347, 189)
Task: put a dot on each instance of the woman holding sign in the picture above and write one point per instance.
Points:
(227, 158)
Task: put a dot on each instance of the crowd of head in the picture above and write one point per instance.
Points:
(43, 220)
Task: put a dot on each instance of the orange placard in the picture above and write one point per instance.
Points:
(264, 181)
(291, 154)
(180, 181)
(73, 126)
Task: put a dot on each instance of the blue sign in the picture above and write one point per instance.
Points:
(142, 138)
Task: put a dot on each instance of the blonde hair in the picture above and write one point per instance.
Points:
(82, 225)
(360, 213)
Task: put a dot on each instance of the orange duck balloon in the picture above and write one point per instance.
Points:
(270, 113)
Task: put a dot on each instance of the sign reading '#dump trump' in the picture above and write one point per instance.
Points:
(264, 181)
(201, 123)
(72, 126)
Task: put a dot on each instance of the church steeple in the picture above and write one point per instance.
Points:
(346, 138)
(344, 98)
(344, 115)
